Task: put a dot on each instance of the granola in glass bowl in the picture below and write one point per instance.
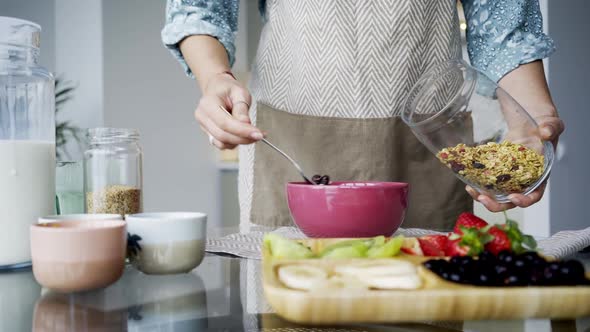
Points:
(499, 167)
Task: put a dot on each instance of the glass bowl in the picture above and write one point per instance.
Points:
(478, 131)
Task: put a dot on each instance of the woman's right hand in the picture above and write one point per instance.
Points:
(226, 131)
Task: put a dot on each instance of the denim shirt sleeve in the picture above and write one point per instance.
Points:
(216, 18)
(501, 35)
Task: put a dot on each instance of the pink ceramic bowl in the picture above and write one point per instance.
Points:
(72, 256)
(348, 209)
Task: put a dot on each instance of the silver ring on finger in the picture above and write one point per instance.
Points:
(242, 102)
(211, 139)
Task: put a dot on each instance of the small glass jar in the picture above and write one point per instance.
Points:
(69, 187)
(113, 171)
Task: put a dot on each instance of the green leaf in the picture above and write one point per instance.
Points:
(454, 236)
(486, 228)
(64, 131)
(486, 238)
(529, 242)
(475, 240)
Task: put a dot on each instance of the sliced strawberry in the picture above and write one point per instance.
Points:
(455, 248)
(468, 220)
(411, 246)
(471, 242)
(499, 242)
(433, 245)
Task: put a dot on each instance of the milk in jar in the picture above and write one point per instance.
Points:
(27, 179)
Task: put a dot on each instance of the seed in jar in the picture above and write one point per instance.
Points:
(116, 199)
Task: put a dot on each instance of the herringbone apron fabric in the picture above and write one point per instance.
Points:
(329, 82)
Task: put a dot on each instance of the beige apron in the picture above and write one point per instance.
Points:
(329, 82)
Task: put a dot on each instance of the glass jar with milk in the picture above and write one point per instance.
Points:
(27, 139)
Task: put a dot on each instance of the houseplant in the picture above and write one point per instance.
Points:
(64, 130)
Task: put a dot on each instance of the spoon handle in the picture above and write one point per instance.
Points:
(264, 140)
(299, 169)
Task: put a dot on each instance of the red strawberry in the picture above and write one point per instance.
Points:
(468, 220)
(470, 242)
(433, 245)
(454, 248)
(499, 242)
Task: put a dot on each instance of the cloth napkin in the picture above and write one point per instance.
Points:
(248, 245)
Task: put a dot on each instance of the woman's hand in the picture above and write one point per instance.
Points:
(550, 128)
(225, 131)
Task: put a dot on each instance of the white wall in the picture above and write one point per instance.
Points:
(145, 88)
(569, 72)
(78, 58)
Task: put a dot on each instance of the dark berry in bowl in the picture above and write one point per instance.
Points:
(514, 280)
(520, 263)
(501, 270)
(532, 258)
(461, 260)
(506, 256)
(436, 265)
(320, 179)
(487, 256)
(573, 268)
(455, 277)
(509, 270)
(483, 279)
(316, 178)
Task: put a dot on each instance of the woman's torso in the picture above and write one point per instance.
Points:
(329, 81)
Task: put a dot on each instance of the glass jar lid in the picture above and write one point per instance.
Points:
(18, 32)
(112, 135)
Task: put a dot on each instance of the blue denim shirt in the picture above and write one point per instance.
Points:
(501, 35)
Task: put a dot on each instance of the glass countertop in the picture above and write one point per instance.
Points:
(223, 294)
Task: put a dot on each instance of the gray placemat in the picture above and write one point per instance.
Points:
(248, 245)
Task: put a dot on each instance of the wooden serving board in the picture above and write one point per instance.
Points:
(436, 300)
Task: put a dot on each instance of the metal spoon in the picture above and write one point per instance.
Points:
(295, 164)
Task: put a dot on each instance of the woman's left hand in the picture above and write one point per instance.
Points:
(550, 127)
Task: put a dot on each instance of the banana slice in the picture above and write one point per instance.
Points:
(376, 268)
(392, 281)
(340, 282)
(303, 277)
(390, 274)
